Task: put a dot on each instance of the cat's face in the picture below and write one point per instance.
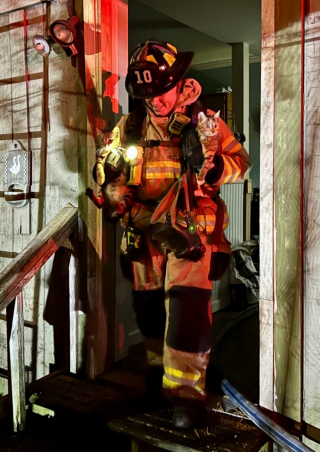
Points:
(208, 124)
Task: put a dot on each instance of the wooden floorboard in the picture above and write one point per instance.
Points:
(106, 399)
(127, 378)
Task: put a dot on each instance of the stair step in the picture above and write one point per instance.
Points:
(216, 432)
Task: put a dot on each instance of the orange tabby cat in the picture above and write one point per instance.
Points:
(114, 195)
(210, 138)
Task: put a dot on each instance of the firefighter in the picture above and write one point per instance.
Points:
(172, 296)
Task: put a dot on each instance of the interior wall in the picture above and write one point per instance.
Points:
(146, 22)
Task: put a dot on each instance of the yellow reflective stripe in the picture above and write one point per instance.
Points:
(238, 171)
(163, 165)
(161, 176)
(173, 384)
(229, 171)
(180, 374)
(172, 47)
(235, 169)
(151, 58)
(237, 148)
(226, 143)
(169, 58)
(169, 383)
(206, 217)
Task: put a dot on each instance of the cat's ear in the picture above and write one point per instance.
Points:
(115, 137)
(100, 138)
(217, 115)
(201, 117)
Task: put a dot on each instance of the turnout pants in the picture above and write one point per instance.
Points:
(172, 301)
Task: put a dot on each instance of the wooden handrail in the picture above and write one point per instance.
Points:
(22, 268)
(12, 281)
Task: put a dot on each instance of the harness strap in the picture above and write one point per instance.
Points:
(152, 143)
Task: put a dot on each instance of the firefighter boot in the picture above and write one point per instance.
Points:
(186, 412)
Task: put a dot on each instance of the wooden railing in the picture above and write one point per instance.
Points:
(12, 281)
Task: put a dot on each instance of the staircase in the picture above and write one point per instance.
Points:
(63, 411)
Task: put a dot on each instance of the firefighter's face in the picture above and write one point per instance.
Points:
(162, 105)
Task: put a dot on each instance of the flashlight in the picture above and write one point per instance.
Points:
(132, 153)
(134, 156)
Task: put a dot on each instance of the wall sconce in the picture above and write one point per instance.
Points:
(64, 33)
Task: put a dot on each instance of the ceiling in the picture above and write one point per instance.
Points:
(207, 27)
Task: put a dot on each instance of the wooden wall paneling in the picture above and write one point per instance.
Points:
(11, 5)
(266, 353)
(39, 352)
(29, 354)
(81, 136)
(6, 223)
(105, 32)
(58, 166)
(27, 98)
(266, 204)
(314, 446)
(121, 327)
(5, 128)
(96, 316)
(62, 167)
(36, 66)
(311, 388)
(287, 208)
(21, 217)
(3, 357)
(266, 159)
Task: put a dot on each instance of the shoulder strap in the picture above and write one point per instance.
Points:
(134, 124)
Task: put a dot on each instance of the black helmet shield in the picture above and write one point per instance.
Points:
(155, 68)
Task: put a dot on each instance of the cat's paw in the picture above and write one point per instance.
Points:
(89, 192)
(100, 174)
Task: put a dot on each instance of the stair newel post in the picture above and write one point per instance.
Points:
(16, 365)
(73, 312)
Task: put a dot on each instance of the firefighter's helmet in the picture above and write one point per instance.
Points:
(155, 68)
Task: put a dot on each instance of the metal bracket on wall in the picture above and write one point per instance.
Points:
(17, 176)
